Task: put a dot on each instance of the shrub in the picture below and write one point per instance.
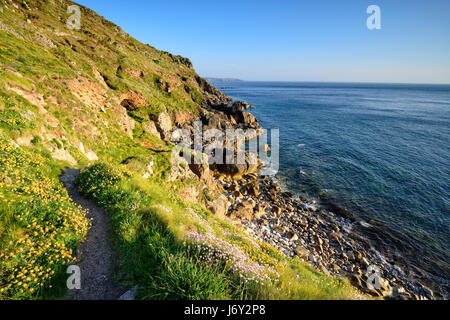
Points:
(36, 140)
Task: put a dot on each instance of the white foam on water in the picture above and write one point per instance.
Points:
(364, 224)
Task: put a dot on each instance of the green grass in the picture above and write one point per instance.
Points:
(148, 251)
(40, 227)
(148, 215)
(149, 223)
(13, 120)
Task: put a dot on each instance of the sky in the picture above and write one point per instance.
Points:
(294, 40)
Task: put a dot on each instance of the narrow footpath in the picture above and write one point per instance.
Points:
(96, 256)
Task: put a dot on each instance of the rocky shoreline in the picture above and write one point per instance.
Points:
(326, 239)
(320, 237)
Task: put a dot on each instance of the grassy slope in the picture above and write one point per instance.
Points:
(149, 218)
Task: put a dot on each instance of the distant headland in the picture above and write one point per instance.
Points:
(223, 79)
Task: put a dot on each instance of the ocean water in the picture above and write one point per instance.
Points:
(378, 151)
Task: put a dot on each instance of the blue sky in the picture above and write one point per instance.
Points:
(321, 40)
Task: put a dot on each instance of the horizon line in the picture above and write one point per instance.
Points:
(343, 82)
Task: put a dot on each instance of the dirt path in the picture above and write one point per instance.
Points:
(96, 254)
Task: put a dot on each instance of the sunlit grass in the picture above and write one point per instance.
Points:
(40, 227)
(150, 225)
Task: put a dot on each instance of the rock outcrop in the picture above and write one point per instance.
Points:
(219, 206)
(203, 172)
(133, 100)
(150, 127)
(237, 168)
(164, 125)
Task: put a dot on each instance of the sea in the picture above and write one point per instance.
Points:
(380, 152)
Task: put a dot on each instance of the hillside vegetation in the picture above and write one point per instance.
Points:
(99, 100)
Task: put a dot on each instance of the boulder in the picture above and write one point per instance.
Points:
(287, 194)
(164, 125)
(276, 210)
(91, 155)
(126, 122)
(259, 211)
(250, 164)
(134, 73)
(190, 192)
(241, 105)
(357, 254)
(150, 127)
(291, 236)
(203, 172)
(253, 189)
(182, 117)
(335, 267)
(216, 121)
(234, 187)
(302, 252)
(274, 199)
(180, 169)
(168, 86)
(385, 287)
(238, 194)
(356, 280)
(220, 206)
(243, 211)
(25, 140)
(64, 155)
(245, 118)
(364, 262)
(324, 270)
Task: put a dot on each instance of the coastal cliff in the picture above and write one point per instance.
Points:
(98, 100)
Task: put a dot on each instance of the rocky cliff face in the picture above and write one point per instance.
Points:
(90, 84)
(71, 97)
(76, 96)
(98, 94)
